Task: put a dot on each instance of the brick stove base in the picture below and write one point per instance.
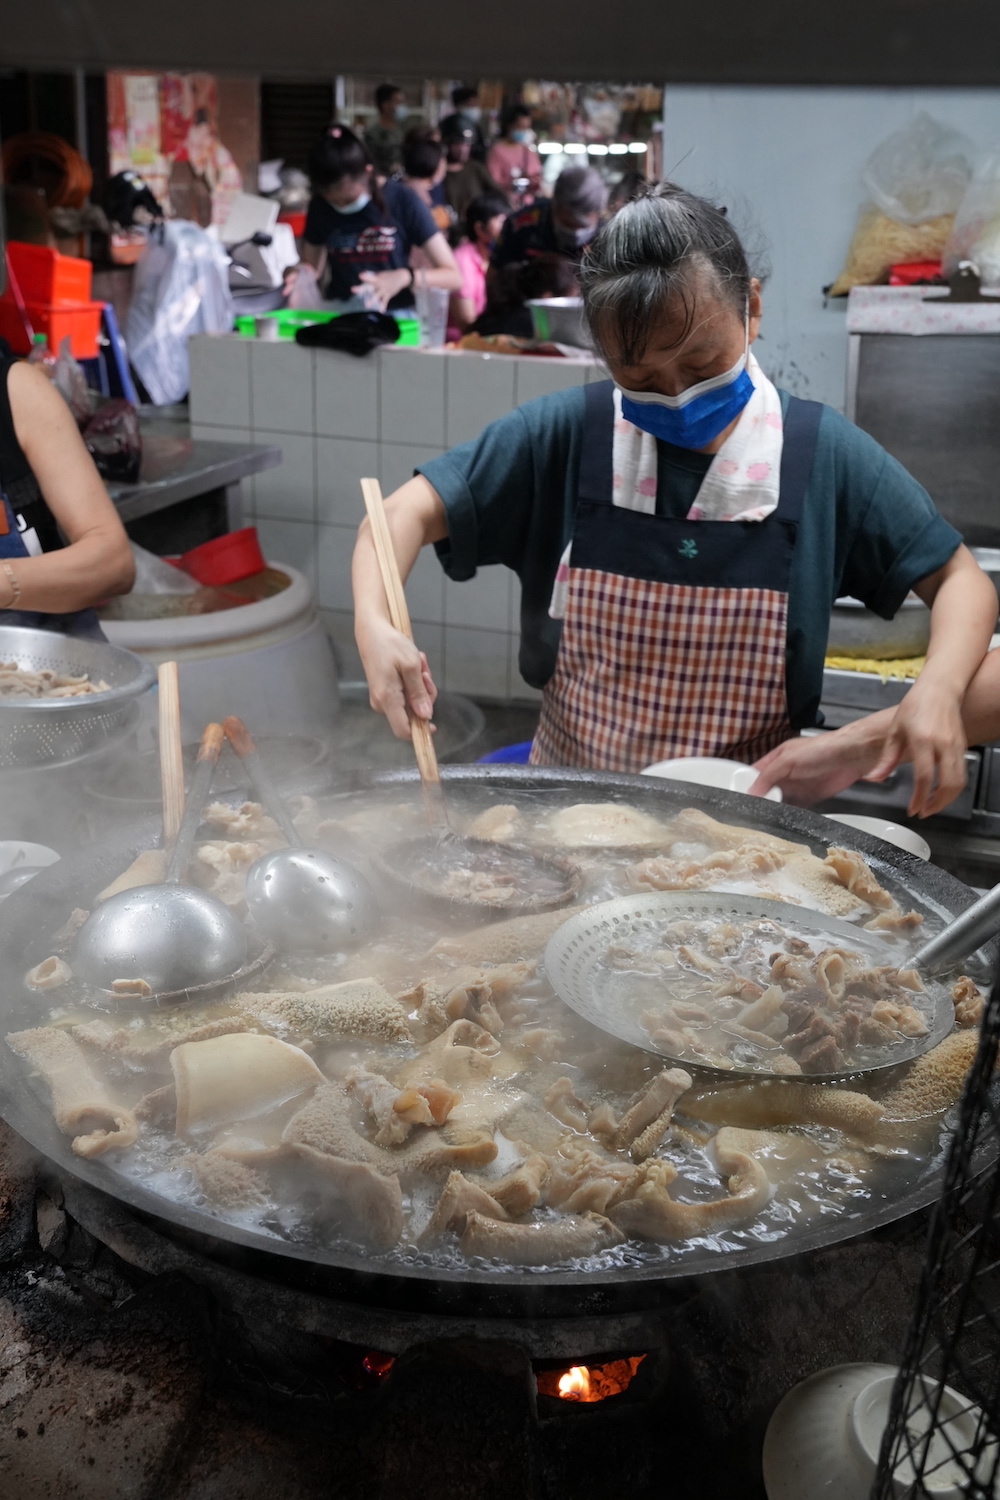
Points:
(120, 1385)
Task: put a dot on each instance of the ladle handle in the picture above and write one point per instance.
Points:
(201, 780)
(171, 750)
(969, 931)
(399, 614)
(242, 742)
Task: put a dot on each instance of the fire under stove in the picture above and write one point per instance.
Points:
(133, 1365)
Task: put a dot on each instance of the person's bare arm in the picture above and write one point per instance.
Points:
(810, 770)
(98, 560)
(927, 727)
(442, 272)
(462, 312)
(315, 256)
(399, 679)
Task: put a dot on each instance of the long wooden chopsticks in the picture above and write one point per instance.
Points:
(423, 740)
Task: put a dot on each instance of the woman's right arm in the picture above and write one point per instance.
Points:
(399, 680)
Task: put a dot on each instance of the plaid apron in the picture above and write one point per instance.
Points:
(674, 633)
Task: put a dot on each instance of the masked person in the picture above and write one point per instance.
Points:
(359, 235)
(561, 225)
(681, 531)
(468, 115)
(465, 177)
(62, 547)
(384, 138)
(512, 160)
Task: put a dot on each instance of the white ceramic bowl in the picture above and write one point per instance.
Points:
(15, 852)
(825, 1437)
(893, 833)
(708, 770)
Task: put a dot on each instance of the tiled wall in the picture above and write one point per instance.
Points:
(338, 419)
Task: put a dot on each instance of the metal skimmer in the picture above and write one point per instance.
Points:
(575, 965)
(53, 731)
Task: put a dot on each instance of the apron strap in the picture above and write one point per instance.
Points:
(798, 451)
(594, 482)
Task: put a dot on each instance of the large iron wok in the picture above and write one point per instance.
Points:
(43, 905)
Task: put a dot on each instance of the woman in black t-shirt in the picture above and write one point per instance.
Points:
(360, 233)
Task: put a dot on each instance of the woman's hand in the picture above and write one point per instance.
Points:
(379, 287)
(400, 684)
(818, 766)
(927, 730)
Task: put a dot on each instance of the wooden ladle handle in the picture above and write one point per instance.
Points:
(171, 750)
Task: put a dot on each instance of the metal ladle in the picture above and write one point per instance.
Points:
(301, 900)
(173, 936)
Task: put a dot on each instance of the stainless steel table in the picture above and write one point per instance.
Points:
(190, 489)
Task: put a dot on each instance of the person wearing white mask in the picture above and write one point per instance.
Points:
(513, 161)
(468, 115)
(563, 225)
(384, 137)
(359, 234)
(681, 531)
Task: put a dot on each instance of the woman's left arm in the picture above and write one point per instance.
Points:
(927, 727)
(443, 270)
(98, 560)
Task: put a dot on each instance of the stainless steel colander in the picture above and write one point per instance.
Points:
(53, 731)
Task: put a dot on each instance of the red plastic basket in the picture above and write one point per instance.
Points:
(80, 323)
(45, 276)
(225, 559)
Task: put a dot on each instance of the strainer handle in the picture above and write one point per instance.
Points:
(969, 931)
(242, 742)
(201, 780)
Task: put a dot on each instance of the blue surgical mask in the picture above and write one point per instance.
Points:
(472, 112)
(697, 416)
(355, 207)
(522, 137)
(401, 111)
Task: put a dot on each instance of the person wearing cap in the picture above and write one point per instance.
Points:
(468, 115)
(561, 225)
(681, 530)
(466, 178)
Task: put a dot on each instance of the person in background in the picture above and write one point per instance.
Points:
(424, 171)
(62, 547)
(509, 290)
(466, 178)
(359, 235)
(561, 225)
(513, 162)
(467, 116)
(483, 222)
(384, 138)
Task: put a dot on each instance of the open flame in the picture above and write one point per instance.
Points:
(590, 1382)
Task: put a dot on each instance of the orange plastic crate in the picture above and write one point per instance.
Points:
(79, 322)
(45, 276)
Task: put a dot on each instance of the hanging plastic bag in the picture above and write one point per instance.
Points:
(920, 172)
(71, 383)
(976, 232)
(304, 293)
(181, 287)
(155, 576)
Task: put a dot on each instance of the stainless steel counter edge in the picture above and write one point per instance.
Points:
(208, 466)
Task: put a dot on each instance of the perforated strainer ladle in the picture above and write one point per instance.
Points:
(613, 999)
(301, 899)
(171, 936)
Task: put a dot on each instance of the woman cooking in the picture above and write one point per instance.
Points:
(359, 234)
(50, 489)
(681, 531)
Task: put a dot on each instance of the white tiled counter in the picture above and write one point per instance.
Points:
(338, 419)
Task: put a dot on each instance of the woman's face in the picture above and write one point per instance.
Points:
(674, 360)
(487, 234)
(519, 127)
(347, 190)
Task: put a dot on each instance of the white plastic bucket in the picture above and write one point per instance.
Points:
(270, 662)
